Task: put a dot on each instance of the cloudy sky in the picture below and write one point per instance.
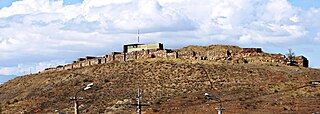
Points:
(35, 34)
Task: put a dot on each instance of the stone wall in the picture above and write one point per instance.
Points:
(60, 68)
(142, 54)
(104, 59)
(172, 55)
(68, 66)
(119, 57)
(215, 55)
(251, 50)
(109, 58)
(160, 54)
(95, 61)
(131, 56)
(301, 61)
(246, 55)
(186, 54)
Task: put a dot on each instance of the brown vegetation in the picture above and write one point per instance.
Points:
(170, 86)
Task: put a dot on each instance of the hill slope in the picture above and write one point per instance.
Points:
(170, 86)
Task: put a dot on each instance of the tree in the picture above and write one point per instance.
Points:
(290, 55)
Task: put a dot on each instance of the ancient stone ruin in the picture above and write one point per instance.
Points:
(219, 53)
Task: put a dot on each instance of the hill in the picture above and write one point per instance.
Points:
(169, 86)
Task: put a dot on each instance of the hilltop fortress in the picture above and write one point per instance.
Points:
(219, 53)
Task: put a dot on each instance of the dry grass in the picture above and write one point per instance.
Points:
(171, 86)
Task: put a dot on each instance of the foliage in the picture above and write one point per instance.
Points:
(290, 55)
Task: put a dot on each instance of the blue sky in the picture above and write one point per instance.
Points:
(69, 2)
(36, 34)
(7, 3)
(306, 4)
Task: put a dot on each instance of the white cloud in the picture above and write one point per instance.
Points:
(277, 10)
(33, 31)
(146, 15)
(30, 6)
(99, 3)
(295, 19)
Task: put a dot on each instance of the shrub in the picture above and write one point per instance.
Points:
(290, 55)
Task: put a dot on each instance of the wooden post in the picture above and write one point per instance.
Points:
(76, 106)
(139, 102)
(220, 110)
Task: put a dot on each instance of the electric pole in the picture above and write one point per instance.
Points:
(138, 35)
(75, 98)
(139, 104)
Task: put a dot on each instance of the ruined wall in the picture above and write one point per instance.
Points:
(119, 57)
(76, 65)
(104, 59)
(160, 54)
(86, 63)
(60, 68)
(266, 58)
(217, 54)
(49, 70)
(95, 61)
(172, 55)
(251, 50)
(301, 61)
(142, 54)
(68, 66)
(186, 54)
(109, 58)
(131, 56)
(246, 55)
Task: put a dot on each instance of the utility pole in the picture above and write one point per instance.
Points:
(76, 98)
(139, 104)
(220, 110)
(76, 111)
(138, 35)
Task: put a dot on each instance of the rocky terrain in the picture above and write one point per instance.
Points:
(169, 86)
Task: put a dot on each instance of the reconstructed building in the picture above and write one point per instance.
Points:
(139, 47)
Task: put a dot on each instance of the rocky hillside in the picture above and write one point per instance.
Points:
(169, 86)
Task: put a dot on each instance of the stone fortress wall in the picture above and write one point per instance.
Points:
(241, 55)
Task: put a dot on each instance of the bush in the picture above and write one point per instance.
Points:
(15, 100)
(155, 110)
(87, 80)
(290, 55)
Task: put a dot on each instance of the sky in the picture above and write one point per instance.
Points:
(36, 34)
